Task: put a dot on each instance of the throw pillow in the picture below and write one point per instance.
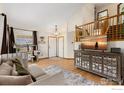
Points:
(15, 80)
(20, 69)
(5, 69)
(23, 61)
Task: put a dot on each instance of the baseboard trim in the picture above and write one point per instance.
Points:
(43, 58)
(58, 57)
(69, 58)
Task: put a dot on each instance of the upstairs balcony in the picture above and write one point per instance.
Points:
(112, 26)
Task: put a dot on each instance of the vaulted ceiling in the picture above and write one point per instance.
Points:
(38, 15)
(34, 16)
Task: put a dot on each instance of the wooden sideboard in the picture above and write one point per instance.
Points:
(105, 64)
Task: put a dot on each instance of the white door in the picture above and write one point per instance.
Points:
(52, 47)
(61, 46)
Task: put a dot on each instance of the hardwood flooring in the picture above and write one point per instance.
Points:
(69, 65)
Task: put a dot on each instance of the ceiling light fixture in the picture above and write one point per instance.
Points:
(56, 33)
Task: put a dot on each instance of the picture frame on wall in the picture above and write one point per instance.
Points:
(120, 11)
(102, 14)
(42, 40)
(121, 8)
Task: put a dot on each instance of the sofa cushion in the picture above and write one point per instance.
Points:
(36, 70)
(15, 80)
(23, 62)
(14, 72)
(5, 69)
(21, 57)
(21, 70)
(9, 62)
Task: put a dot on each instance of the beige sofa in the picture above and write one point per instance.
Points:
(8, 75)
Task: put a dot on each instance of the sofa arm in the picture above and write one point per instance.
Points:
(56, 79)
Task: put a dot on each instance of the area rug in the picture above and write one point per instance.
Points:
(70, 78)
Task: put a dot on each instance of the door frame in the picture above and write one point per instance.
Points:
(63, 45)
(49, 44)
(57, 39)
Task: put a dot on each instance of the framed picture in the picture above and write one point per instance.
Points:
(120, 8)
(102, 14)
(119, 12)
(42, 40)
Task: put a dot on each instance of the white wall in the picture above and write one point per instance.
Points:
(43, 47)
(63, 30)
(70, 45)
(112, 8)
(1, 8)
(82, 16)
(116, 44)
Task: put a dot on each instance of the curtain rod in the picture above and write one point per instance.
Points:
(23, 29)
(2, 14)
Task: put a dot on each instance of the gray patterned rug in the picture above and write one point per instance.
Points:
(70, 78)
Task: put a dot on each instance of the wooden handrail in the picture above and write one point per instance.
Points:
(101, 20)
(112, 26)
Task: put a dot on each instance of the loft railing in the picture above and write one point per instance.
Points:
(112, 26)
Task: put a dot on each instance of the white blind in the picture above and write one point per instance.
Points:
(1, 30)
(23, 37)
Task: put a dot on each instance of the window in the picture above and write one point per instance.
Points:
(1, 30)
(23, 37)
(23, 40)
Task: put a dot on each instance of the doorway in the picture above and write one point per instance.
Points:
(61, 46)
(56, 46)
(52, 44)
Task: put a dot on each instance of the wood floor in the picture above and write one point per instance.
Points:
(69, 65)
